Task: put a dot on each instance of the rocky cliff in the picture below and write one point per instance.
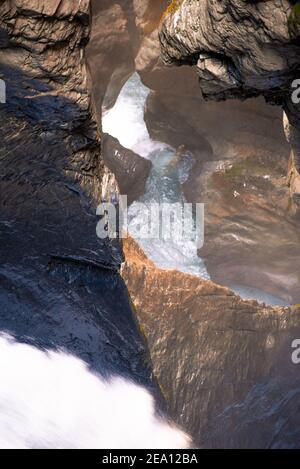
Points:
(241, 158)
(223, 364)
(60, 285)
(119, 29)
(240, 50)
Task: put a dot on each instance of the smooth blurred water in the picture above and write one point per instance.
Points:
(250, 293)
(53, 400)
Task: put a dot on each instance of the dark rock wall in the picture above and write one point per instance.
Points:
(59, 284)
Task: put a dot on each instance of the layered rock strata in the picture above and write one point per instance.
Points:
(240, 50)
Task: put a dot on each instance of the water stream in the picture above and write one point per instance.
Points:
(125, 121)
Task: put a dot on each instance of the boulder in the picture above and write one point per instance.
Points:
(131, 170)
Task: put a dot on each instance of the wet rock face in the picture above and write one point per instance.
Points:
(240, 48)
(241, 156)
(59, 284)
(249, 239)
(118, 30)
(131, 170)
(46, 87)
(223, 364)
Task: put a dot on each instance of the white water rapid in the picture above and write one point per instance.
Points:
(125, 121)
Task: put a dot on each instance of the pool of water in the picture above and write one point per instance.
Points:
(250, 293)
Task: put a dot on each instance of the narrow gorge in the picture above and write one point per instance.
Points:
(165, 102)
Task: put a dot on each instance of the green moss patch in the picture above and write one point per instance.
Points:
(172, 7)
(294, 21)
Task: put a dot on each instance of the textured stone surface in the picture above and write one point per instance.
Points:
(241, 157)
(249, 239)
(109, 53)
(240, 49)
(118, 30)
(223, 364)
(131, 170)
(59, 284)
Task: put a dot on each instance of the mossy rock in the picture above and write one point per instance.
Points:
(294, 21)
(172, 7)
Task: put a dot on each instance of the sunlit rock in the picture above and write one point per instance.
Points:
(223, 364)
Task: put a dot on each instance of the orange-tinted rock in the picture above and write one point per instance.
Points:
(214, 353)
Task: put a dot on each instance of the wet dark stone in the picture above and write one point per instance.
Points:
(60, 286)
(130, 169)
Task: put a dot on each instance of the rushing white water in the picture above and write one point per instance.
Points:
(125, 121)
(52, 400)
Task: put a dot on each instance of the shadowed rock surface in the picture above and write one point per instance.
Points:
(223, 364)
(241, 157)
(59, 284)
(118, 30)
(131, 170)
(241, 49)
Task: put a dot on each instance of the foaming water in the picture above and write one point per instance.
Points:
(125, 121)
(52, 400)
(163, 186)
